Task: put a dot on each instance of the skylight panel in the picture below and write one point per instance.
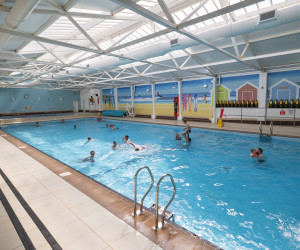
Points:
(210, 7)
(209, 22)
(233, 1)
(89, 11)
(239, 12)
(278, 1)
(218, 4)
(180, 15)
(218, 19)
(251, 8)
(264, 4)
(177, 20)
(201, 12)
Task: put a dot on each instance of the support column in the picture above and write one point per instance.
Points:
(262, 96)
(179, 118)
(116, 98)
(100, 100)
(214, 118)
(153, 101)
(132, 90)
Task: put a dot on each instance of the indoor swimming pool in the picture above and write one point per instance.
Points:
(223, 195)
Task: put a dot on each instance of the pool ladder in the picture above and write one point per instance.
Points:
(156, 206)
(271, 128)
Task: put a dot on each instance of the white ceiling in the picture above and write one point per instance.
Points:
(76, 44)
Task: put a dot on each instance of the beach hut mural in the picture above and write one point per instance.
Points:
(222, 93)
(247, 91)
(284, 89)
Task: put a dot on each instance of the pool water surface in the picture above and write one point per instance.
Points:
(223, 195)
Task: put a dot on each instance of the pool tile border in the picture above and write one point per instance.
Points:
(172, 236)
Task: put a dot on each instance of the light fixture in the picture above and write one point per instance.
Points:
(148, 90)
(205, 86)
(13, 99)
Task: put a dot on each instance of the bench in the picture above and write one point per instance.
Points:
(120, 113)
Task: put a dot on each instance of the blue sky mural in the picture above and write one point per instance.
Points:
(165, 92)
(108, 96)
(199, 89)
(235, 82)
(124, 95)
(143, 94)
(293, 76)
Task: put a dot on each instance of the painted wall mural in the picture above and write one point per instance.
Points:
(164, 98)
(124, 97)
(143, 100)
(238, 88)
(284, 85)
(108, 99)
(36, 100)
(197, 98)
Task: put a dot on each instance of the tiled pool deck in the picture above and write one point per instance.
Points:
(78, 212)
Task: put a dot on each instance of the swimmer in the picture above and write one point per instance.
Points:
(62, 121)
(260, 156)
(99, 119)
(187, 130)
(126, 139)
(106, 125)
(253, 153)
(112, 127)
(137, 148)
(90, 139)
(177, 137)
(115, 145)
(75, 126)
(90, 158)
(37, 124)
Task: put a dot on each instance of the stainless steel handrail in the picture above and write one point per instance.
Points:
(260, 127)
(135, 185)
(271, 128)
(156, 205)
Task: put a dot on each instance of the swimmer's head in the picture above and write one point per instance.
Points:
(114, 142)
(89, 138)
(259, 150)
(92, 153)
(75, 126)
(137, 149)
(126, 137)
(252, 150)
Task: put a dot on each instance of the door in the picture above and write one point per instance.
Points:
(75, 106)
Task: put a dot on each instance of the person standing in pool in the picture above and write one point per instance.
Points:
(37, 124)
(115, 145)
(126, 139)
(90, 158)
(187, 131)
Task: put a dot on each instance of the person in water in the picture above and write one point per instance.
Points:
(37, 124)
(75, 126)
(90, 158)
(187, 131)
(106, 125)
(253, 153)
(126, 139)
(137, 148)
(115, 145)
(62, 121)
(112, 127)
(177, 137)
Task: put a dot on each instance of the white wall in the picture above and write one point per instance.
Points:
(85, 104)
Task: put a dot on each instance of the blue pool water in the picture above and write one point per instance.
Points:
(223, 195)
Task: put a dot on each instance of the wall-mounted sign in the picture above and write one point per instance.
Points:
(282, 112)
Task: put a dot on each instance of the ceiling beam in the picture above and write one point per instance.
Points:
(154, 17)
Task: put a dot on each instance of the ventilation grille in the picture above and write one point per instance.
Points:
(267, 16)
(174, 42)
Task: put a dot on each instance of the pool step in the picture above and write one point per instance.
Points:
(168, 215)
